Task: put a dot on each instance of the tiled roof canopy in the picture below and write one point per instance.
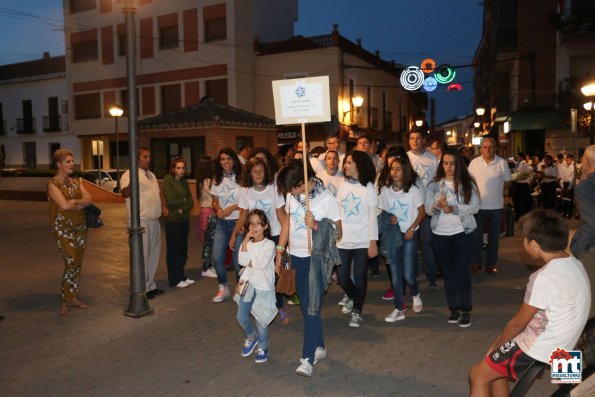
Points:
(46, 67)
(206, 113)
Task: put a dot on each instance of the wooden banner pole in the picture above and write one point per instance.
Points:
(306, 190)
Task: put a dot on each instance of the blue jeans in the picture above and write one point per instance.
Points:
(404, 269)
(243, 317)
(355, 289)
(313, 336)
(493, 218)
(425, 237)
(453, 256)
(220, 244)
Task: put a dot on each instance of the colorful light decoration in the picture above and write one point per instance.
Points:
(412, 78)
(455, 87)
(445, 74)
(428, 65)
(430, 84)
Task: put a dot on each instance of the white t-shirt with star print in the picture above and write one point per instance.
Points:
(324, 205)
(402, 205)
(425, 165)
(268, 200)
(331, 182)
(357, 206)
(228, 193)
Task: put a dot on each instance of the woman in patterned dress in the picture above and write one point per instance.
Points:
(67, 199)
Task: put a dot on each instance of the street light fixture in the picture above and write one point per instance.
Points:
(477, 124)
(419, 123)
(480, 111)
(357, 102)
(116, 112)
(589, 91)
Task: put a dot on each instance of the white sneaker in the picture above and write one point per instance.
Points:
(319, 354)
(396, 315)
(210, 273)
(343, 301)
(182, 284)
(346, 309)
(417, 303)
(356, 319)
(189, 281)
(305, 368)
(221, 294)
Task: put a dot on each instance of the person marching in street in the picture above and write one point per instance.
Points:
(313, 269)
(206, 220)
(177, 224)
(331, 175)
(452, 199)
(357, 201)
(259, 191)
(402, 198)
(225, 191)
(256, 256)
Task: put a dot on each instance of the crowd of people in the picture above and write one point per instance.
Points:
(260, 211)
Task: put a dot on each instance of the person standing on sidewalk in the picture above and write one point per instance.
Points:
(310, 280)
(206, 221)
(177, 224)
(492, 175)
(225, 191)
(152, 207)
(424, 164)
(452, 200)
(357, 202)
(67, 198)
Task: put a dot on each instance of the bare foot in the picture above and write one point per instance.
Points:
(63, 309)
(77, 303)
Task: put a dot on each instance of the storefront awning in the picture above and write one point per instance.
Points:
(537, 121)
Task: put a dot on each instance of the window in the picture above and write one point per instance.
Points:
(168, 37)
(122, 44)
(87, 106)
(217, 89)
(374, 117)
(84, 51)
(388, 121)
(81, 5)
(171, 98)
(215, 22)
(124, 102)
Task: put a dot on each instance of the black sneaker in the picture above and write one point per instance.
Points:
(455, 317)
(465, 320)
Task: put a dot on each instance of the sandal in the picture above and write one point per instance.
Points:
(63, 309)
(76, 303)
(284, 316)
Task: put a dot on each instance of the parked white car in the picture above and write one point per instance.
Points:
(108, 178)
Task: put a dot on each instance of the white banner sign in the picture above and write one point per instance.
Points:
(304, 100)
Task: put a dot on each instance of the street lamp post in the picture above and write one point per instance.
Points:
(116, 112)
(589, 91)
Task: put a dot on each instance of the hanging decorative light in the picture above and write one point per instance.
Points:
(412, 78)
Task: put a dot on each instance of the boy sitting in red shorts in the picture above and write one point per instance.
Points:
(553, 314)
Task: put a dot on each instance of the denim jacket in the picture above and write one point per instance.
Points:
(390, 237)
(264, 309)
(325, 256)
(464, 211)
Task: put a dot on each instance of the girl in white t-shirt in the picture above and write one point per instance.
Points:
(331, 175)
(225, 191)
(256, 255)
(400, 197)
(357, 201)
(451, 200)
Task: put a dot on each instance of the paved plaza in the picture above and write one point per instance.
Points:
(191, 347)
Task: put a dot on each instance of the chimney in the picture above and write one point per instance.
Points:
(46, 55)
(359, 42)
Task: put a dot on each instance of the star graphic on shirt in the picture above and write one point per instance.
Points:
(228, 196)
(423, 171)
(351, 204)
(298, 214)
(265, 206)
(400, 210)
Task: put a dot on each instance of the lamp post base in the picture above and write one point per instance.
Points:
(138, 306)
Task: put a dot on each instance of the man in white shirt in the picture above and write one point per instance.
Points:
(566, 174)
(425, 164)
(152, 206)
(492, 176)
(244, 153)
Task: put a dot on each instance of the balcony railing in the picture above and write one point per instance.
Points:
(52, 123)
(26, 126)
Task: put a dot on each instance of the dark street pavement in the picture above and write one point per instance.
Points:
(191, 347)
